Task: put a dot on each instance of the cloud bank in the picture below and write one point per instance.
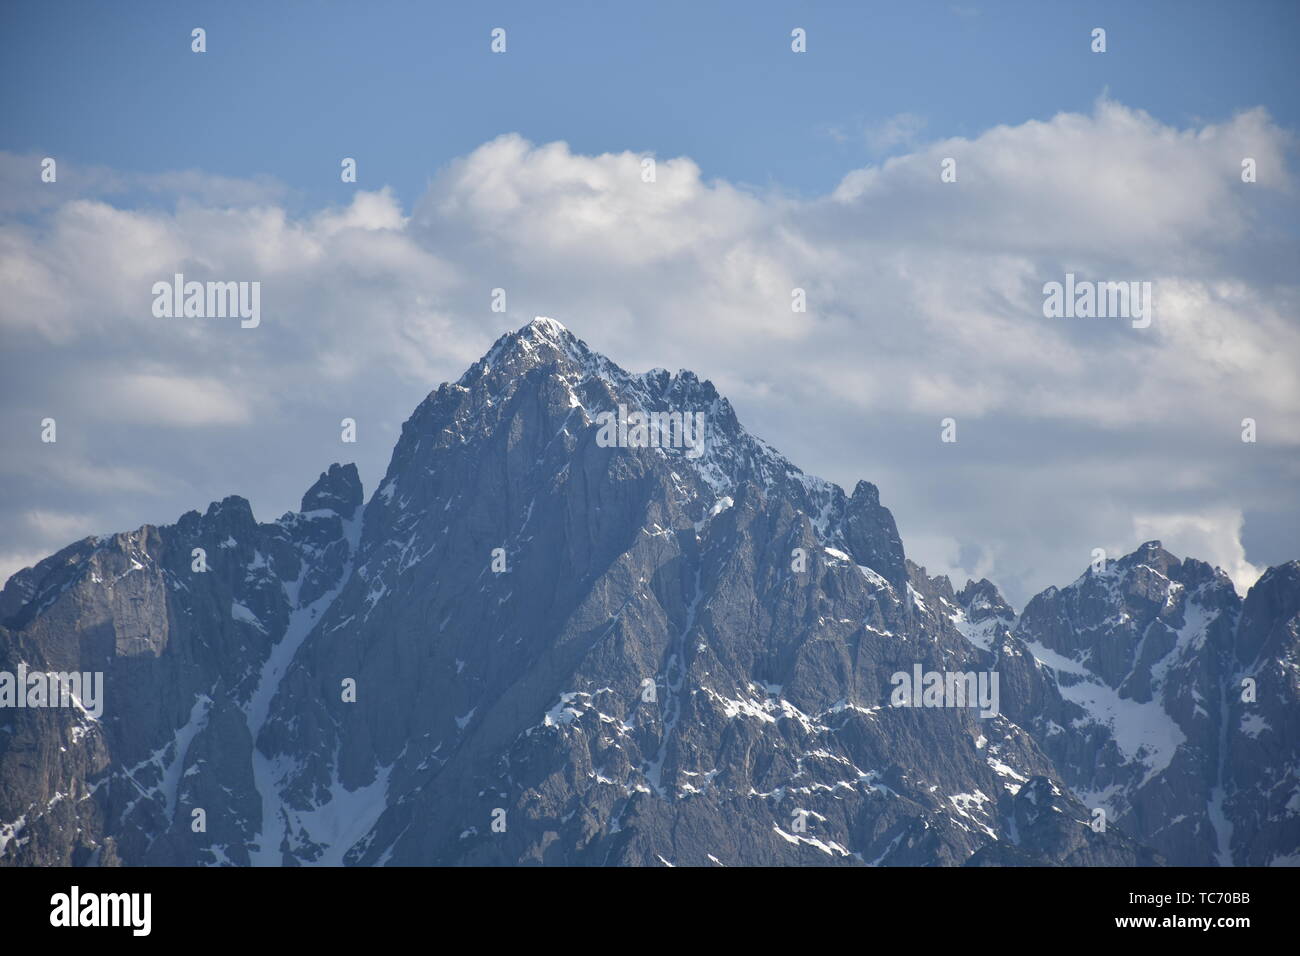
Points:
(924, 302)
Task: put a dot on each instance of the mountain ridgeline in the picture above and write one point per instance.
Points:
(532, 646)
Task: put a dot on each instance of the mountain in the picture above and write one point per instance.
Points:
(1134, 679)
(556, 637)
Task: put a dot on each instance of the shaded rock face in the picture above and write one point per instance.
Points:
(532, 647)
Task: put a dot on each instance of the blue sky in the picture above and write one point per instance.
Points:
(286, 88)
(776, 170)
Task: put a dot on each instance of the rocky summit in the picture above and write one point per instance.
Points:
(534, 646)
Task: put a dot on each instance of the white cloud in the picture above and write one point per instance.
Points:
(167, 400)
(58, 525)
(924, 300)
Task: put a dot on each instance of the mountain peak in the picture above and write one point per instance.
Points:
(539, 342)
(981, 600)
(543, 326)
(543, 331)
(338, 489)
(1149, 554)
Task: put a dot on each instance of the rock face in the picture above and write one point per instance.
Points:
(1164, 699)
(530, 647)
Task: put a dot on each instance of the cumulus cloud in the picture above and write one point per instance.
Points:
(924, 302)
